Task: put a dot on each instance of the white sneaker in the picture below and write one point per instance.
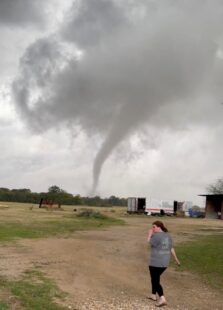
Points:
(152, 297)
(162, 302)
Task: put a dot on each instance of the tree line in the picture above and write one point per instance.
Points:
(58, 196)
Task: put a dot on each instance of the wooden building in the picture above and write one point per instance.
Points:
(214, 206)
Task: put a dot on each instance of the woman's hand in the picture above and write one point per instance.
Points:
(175, 256)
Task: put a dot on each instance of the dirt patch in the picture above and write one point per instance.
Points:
(107, 269)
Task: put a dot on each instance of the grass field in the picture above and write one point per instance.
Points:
(205, 257)
(28, 221)
(32, 291)
(199, 246)
(17, 221)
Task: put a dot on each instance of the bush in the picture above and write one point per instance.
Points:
(92, 214)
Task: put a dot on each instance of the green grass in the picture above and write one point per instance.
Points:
(205, 257)
(3, 306)
(66, 225)
(32, 291)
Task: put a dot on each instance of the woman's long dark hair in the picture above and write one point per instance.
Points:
(161, 225)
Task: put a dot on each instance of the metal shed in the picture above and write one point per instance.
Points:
(214, 206)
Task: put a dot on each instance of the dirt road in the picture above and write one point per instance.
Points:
(107, 269)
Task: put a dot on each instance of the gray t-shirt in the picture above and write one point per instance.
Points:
(161, 244)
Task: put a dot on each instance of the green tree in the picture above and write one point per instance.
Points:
(4, 189)
(55, 189)
(77, 200)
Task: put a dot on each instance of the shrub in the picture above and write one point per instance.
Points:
(92, 214)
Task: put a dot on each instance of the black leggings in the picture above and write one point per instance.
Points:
(155, 273)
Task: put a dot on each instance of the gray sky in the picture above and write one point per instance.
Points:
(112, 97)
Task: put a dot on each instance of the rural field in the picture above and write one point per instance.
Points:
(66, 259)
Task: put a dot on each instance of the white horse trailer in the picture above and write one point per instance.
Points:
(156, 207)
(151, 206)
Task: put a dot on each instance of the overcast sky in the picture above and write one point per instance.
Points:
(112, 97)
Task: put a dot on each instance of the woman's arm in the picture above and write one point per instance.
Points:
(175, 256)
(150, 233)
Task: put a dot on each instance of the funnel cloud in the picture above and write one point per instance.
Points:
(112, 69)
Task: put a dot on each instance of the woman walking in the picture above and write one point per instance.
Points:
(161, 250)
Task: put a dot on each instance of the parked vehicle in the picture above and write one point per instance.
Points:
(155, 207)
(159, 207)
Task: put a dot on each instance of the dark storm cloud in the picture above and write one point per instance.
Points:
(127, 75)
(91, 21)
(21, 12)
(33, 90)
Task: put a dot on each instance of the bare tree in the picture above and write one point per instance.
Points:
(216, 188)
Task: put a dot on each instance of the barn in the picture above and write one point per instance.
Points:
(214, 206)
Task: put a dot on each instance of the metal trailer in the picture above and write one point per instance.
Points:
(136, 205)
(132, 205)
